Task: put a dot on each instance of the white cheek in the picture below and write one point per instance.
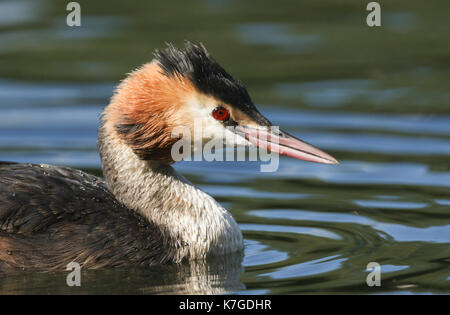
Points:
(213, 130)
(232, 139)
(206, 128)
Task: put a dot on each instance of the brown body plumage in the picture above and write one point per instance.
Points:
(51, 216)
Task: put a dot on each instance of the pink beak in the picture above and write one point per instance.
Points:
(285, 144)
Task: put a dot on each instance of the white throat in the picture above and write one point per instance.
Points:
(199, 225)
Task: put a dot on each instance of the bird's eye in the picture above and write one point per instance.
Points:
(220, 113)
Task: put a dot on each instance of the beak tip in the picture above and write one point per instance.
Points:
(333, 161)
(329, 160)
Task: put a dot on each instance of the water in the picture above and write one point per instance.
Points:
(376, 99)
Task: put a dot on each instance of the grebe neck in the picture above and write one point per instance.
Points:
(192, 219)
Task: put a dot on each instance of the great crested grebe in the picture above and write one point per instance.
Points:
(145, 212)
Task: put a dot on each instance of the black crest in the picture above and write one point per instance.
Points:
(196, 64)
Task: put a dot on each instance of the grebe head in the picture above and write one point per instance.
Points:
(185, 90)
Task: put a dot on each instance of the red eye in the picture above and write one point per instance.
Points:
(220, 113)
